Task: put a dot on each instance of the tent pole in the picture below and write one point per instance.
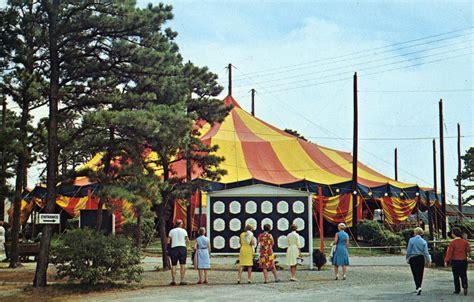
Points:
(443, 183)
(459, 173)
(321, 221)
(253, 101)
(355, 160)
(435, 184)
(396, 164)
(230, 78)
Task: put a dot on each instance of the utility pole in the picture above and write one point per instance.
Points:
(4, 161)
(442, 171)
(230, 78)
(253, 101)
(435, 184)
(355, 161)
(396, 164)
(459, 173)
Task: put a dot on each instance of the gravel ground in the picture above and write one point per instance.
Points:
(370, 279)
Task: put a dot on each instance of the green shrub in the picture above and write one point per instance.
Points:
(377, 234)
(438, 252)
(466, 227)
(148, 230)
(406, 234)
(92, 258)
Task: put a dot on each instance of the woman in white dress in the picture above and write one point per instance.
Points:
(293, 250)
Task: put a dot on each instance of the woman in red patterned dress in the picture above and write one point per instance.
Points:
(267, 258)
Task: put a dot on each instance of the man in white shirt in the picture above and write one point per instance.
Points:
(178, 238)
(2, 236)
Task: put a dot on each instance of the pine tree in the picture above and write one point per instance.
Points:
(467, 176)
(22, 82)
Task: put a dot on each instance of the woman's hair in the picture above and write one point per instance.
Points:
(342, 226)
(457, 232)
(248, 227)
(293, 227)
(202, 231)
(267, 227)
(418, 231)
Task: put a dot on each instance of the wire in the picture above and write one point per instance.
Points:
(360, 64)
(370, 68)
(370, 74)
(256, 74)
(416, 91)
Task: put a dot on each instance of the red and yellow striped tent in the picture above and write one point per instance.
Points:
(257, 152)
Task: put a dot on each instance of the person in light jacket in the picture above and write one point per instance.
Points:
(293, 252)
(417, 256)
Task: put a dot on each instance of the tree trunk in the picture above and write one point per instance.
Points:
(40, 278)
(21, 169)
(98, 221)
(161, 210)
(138, 240)
(14, 257)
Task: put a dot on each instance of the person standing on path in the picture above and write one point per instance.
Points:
(457, 252)
(293, 252)
(267, 258)
(2, 236)
(178, 238)
(203, 255)
(247, 243)
(341, 254)
(417, 256)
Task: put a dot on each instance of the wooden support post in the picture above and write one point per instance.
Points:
(435, 186)
(396, 164)
(355, 159)
(321, 219)
(442, 170)
(459, 174)
(230, 78)
(253, 101)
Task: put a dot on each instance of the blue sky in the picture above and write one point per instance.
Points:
(314, 47)
(259, 35)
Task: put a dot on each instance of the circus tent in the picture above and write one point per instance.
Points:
(256, 152)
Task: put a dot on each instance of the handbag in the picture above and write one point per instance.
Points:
(331, 253)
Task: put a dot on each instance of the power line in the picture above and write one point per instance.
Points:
(376, 67)
(359, 57)
(416, 91)
(369, 74)
(263, 72)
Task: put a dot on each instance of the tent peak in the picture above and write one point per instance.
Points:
(229, 100)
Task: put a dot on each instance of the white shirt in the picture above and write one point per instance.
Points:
(2, 234)
(178, 237)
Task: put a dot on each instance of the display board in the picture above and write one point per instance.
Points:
(229, 215)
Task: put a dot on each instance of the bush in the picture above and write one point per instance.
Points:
(377, 234)
(92, 258)
(407, 234)
(438, 252)
(466, 227)
(129, 229)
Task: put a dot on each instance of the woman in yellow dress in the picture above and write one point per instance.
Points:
(247, 243)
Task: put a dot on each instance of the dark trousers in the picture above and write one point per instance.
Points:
(417, 265)
(459, 268)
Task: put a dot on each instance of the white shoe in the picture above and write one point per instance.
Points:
(418, 291)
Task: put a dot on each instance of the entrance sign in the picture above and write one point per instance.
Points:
(49, 218)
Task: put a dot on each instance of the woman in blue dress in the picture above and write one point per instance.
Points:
(203, 255)
(341, 255)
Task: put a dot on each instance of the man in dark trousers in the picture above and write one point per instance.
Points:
(178, 238)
